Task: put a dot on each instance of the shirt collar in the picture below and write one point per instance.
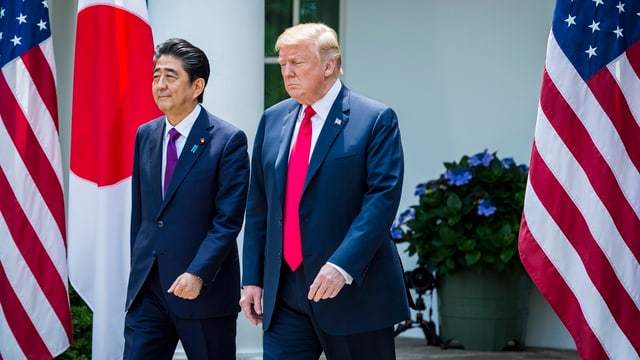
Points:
(184, 126)
(323, 106)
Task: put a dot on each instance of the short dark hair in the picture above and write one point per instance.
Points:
(194, 60)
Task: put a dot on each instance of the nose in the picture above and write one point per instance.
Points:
(287, 70)
(162, 83)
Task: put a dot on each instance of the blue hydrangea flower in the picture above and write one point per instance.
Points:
(507, 162)
(458, 176)
(407, 215)
(396, 233)
(523, 168)
(420, 189)
(483, 158)
(486, 208)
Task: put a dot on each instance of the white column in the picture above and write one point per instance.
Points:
(231, 33)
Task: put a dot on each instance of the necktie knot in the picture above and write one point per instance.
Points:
(173, 134)
(308, 113)
(305, 126)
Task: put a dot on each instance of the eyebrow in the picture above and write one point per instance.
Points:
(295, 57)
(168, 69)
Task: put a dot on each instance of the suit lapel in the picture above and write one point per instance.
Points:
(282, 160)
(333, 125)
(155, 154)
(199, 137)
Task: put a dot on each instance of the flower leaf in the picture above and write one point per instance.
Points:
(472, 258)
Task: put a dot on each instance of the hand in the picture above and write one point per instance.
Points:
(187, 286)
(327, 284)
(251, 303)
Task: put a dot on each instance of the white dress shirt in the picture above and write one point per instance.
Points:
(184, 128)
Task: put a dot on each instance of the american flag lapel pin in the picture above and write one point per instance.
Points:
(338, 121)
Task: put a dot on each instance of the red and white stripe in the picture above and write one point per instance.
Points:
(580, 234)
(111, 97)
(35, 321)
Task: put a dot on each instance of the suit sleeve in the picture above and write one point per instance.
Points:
(136, 216)
(385, 171)
(230, 203)
(255, 232)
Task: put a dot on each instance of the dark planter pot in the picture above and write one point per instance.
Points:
(484, 311)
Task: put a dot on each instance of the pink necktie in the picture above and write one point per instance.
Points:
(296, 175)
(172, 157)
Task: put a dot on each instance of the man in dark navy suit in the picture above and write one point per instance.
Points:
(320, 271)
(190, 178)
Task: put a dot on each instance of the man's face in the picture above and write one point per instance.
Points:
(306, 78)
(175, 95)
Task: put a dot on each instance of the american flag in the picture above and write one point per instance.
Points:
(580, 234)
(35, 320)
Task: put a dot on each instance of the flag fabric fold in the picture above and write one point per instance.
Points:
(111, 98)
(580, 233)
(35, 318)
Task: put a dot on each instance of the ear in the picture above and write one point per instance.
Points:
(198, 86)
(329, 68)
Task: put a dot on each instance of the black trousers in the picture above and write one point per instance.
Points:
(152, 331)
(294, 333)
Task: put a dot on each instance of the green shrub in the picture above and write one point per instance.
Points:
(82, 321)
(468, 217)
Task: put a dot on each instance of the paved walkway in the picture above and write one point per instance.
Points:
(416, 349)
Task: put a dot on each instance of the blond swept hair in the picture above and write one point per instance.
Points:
(324, 37)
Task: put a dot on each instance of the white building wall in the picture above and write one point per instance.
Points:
(231, 33)
(463, 75)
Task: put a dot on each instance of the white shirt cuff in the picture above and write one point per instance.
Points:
(348, 278)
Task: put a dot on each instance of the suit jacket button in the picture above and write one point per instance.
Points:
(160, 223)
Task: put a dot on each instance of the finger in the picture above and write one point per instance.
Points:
(253, 318)
(313, 290)
(335, 291)
(327, 292)
(247, 309)
(245, 305)
(251, 303)
(258, 319)
(257, 304)
(320, 294)
(172, 288)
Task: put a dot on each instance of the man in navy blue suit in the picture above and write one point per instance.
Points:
(189, 187)
(320, 271)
